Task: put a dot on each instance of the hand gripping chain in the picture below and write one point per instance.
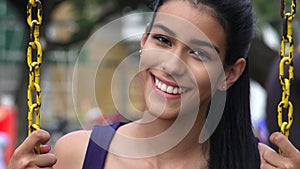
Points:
(34, 61)
(286, 56)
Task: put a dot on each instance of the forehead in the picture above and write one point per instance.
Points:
(192, 21)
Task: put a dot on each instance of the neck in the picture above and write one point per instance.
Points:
(182, 135)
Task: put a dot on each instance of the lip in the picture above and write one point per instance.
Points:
(165, 94)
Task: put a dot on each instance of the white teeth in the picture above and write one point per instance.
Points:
(159, 85)
(164, 87)
(156, 82)
(175, 91)
(168, 89)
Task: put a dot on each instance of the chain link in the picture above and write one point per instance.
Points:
(34, 61)
(286, 61)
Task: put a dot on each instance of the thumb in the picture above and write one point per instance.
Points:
(282, 142)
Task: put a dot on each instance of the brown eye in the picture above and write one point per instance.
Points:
(163, 40)
(201, 55)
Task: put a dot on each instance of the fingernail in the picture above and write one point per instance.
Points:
(46, 147)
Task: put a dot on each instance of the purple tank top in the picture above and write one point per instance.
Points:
(98, 145)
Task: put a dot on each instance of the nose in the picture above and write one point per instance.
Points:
(174, 65)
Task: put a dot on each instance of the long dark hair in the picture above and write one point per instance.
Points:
(232, 145)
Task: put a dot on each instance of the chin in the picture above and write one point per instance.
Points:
(162, 112)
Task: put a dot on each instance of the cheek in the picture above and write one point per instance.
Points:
(142, 76)
(206, 78)
(203, 82)
(149, 59)
(144, 81)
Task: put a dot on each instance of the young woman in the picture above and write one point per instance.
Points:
(191, 52)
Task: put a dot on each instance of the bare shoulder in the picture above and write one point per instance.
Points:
(70, 150)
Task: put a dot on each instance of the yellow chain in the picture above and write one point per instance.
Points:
(286, 60)
(34, 90)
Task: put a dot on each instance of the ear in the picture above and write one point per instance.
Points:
(144, 37)
(232, 74)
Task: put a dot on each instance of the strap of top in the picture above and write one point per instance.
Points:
(98, 145)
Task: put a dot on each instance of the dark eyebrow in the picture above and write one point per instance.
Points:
(195, 41)
(204, 43)
(164, 28)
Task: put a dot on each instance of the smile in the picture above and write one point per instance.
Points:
(168, 88)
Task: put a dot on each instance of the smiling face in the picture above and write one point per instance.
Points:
(182, 59)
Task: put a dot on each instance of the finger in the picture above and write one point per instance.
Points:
(35, 138)
(45, 160)
(262, 148)
(266, 166)
(268, 155)
(282, 142)
(273, 158)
